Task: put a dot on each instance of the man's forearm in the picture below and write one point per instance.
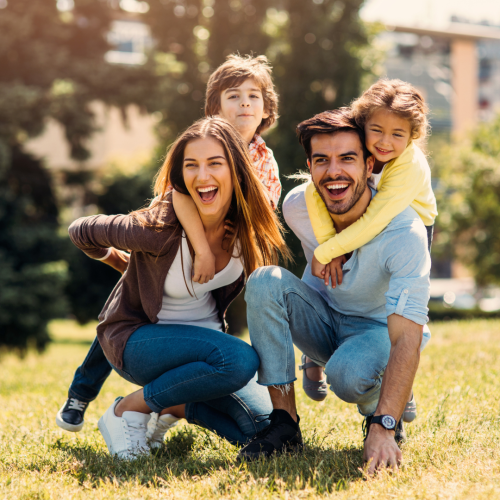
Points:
(406, 337)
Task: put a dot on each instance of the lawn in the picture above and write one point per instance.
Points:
(453, 448)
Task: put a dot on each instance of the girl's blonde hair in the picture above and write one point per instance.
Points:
(399, 97)
(233, 73)
(256, 226)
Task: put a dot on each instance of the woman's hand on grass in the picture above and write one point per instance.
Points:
(118, 260)
(204, 267)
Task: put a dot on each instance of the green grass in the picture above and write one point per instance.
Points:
(453, 450)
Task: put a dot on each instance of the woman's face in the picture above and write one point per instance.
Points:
(207, 176)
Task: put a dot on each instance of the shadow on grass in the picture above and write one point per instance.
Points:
(195, 453)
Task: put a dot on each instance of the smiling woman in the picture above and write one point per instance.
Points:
(165, 333)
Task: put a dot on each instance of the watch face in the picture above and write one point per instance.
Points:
(388, 422)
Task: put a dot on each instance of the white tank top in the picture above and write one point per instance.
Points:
(199, 308)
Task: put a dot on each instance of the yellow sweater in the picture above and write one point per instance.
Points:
(405, 181)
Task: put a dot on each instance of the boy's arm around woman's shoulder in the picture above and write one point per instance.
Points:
(95, 234)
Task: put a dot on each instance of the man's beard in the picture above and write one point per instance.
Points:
(342, 206)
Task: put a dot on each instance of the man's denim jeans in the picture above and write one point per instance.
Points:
(282, 311)
(213, 373)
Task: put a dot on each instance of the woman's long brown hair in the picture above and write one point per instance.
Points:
(256, 225)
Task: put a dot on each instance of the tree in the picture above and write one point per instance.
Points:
(52, 66)
(469, 201)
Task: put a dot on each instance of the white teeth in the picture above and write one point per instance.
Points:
(207, 189)
(336, 186)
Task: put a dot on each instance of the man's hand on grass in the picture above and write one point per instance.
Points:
(331, 271)
(381, 450)
(118, 260)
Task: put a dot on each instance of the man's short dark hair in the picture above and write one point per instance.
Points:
(330, 122)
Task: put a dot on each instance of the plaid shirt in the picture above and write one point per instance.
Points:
(266, 168)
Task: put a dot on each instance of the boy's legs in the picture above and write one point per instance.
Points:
(87, 382)
(90, 375)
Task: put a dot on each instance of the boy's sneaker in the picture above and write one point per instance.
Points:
(410, 413)
(158, 426)
(399, 431)
(125, 436)
(70, 416)
(281, 435)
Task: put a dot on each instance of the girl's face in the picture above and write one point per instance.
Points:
(207, 176)
(243, 107)
(387, 135)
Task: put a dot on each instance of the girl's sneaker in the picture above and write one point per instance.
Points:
(410, 412)
(70, 416)
(317, 391)
(158, 426)
(125, 436)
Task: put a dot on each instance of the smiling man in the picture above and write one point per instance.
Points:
(366, 332)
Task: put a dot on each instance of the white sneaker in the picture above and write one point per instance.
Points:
(125, 436)
(158, 427)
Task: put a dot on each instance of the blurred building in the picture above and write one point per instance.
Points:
(118, 140)
(457, 69)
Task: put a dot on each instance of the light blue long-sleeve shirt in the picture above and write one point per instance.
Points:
(388, 275)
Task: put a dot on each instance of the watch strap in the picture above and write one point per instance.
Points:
(386, 421)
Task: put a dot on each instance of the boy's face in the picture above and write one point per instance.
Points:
(243, 107)
(387, 135)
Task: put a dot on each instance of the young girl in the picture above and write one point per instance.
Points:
(393, 115)
(241, 90)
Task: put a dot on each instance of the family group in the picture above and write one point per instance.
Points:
(364, 214)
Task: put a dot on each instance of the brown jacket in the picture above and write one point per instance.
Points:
(137, 298)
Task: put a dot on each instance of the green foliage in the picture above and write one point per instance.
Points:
(31, 274)
(52, 67)
(469, 201)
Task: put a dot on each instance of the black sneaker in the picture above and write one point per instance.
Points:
(280, 436)
(70, 416)
(399, 432)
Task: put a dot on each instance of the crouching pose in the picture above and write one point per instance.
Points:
(366, 332)
(166, 333)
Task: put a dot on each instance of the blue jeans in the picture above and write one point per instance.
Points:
(211, 372)
(282, 311)
(90, 375)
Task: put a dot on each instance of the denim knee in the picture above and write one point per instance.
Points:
(349, 383)
(263, 282)
(243, 367)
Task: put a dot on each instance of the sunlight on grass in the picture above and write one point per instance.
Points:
(453, 450)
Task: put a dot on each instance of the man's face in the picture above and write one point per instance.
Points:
(338, 170)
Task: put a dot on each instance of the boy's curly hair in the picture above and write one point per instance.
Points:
(233, 73)
(399, 97)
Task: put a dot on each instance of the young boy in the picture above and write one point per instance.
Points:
(241, 90)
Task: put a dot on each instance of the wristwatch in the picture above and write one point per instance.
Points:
(386, 421)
